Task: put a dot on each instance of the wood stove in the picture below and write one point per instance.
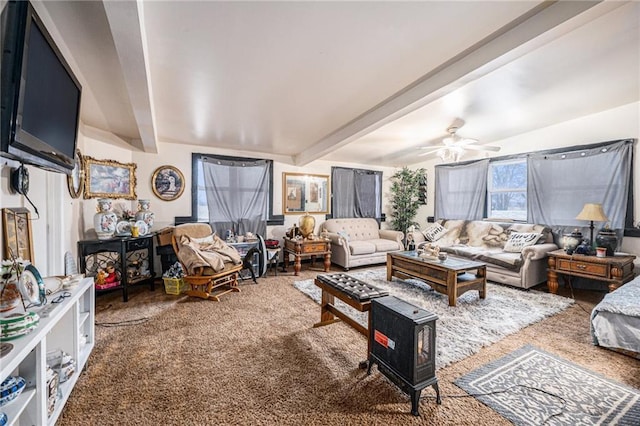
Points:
(403, 344)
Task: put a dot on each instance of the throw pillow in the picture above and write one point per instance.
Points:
(519, 240)
(434, 232)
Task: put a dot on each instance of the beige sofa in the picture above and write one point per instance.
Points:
(484, 241)
(360, 241)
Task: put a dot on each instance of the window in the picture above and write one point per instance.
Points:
(232, 193)
(356, 193)
(507, 190)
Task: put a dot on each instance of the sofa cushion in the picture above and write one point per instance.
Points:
(454, 230)
(511, 261)
(434, 232)
(383, 245)
(519, 240)
(361, 247)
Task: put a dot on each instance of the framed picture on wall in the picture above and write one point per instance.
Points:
(167, 183)
(109, 179)
(304, 193)
(16, 230)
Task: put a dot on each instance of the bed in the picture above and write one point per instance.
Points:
(615, 321)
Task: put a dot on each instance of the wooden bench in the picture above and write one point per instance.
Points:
(351, 291)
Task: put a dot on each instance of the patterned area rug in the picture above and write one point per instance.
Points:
(551, 390)
(462, 330)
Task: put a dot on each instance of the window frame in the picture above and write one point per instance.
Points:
(490, 190)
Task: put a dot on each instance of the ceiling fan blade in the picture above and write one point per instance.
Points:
(432, 147)
(433, 151)
(482, 148)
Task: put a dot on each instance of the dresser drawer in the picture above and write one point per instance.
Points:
(319, 247)
(594, 269)
(138, 244)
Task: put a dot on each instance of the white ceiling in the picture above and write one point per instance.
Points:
(363, 82)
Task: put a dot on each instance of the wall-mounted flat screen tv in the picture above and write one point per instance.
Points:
(40, 96)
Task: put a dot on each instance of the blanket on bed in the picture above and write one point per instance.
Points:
(213, 254)
(615, 320)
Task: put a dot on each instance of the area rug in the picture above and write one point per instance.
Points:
(535, 387)
(462, 330)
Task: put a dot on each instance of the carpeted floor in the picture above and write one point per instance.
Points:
(254, 359)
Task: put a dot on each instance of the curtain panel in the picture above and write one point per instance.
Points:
(237, 195)
(360, 193)
(561, 183)
(461, 190)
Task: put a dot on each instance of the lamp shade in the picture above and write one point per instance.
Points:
(592, 211)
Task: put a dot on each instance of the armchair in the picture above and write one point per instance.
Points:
(208, 279)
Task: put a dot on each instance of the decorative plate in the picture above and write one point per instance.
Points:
(76, 178)
(123, 228)
(143, 229)
(10, 388)
(31, 285)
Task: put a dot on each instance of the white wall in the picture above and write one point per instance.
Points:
(180, 156)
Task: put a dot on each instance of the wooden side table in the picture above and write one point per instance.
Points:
(615, 270)
(306, 248)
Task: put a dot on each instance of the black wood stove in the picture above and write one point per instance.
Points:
(403, 344)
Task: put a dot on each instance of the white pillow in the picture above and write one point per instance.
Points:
(434, 232)
(519, 240)
(204, 240)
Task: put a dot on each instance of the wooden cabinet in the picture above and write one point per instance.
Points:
(69, 326)
(131, 257)
(300, 248)
(615, 270)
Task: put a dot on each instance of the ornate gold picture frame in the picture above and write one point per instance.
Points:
(167, 183)
(109, 179)
(16, 231)
(305, 193)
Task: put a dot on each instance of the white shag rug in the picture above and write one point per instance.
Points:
(462, 330)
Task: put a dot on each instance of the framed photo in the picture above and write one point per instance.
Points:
(109, 179)
(75, 180)
(304, 193)
(16, 230)
(167, 183)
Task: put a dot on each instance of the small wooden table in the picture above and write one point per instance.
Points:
(450, 277)
(306, 248)
(615, 270)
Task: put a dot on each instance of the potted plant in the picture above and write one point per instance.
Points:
(405, 192)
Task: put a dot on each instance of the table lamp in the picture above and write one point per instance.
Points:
(592, 212)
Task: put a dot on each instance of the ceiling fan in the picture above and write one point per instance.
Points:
(453, 147)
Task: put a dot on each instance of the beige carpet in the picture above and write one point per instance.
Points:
(255, 359)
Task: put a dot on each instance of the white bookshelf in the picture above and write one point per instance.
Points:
(67, 322)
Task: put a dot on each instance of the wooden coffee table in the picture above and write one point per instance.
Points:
(452, 277)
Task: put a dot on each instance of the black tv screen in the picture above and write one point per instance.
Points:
(41, 95)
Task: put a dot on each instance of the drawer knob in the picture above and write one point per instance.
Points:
(581, 266)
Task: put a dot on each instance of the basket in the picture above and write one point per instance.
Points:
(174, 286)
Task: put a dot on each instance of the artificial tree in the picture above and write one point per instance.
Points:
(405, 191)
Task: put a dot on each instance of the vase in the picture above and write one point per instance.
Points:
(571, 241)
(608, 239)
(307, 225)
(105, 220)
(144, 213)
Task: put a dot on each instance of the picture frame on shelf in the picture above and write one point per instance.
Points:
(17, 234)
(305, 193)
(75, 180)
(167, 183)
(109, 179)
